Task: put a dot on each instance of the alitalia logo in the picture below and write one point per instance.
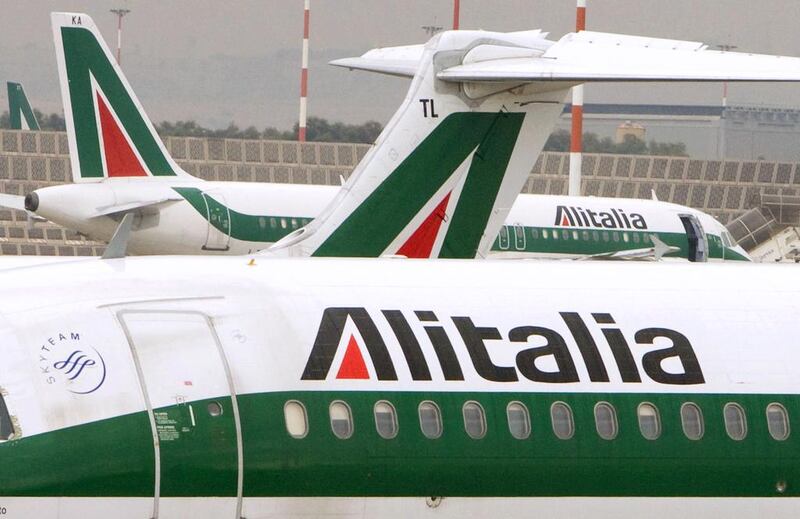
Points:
(576, 216)
(350, 346)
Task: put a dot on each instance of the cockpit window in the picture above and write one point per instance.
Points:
(6, 428)
(727, 239)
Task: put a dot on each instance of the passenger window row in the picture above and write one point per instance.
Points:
(574, 235)
(519, 420)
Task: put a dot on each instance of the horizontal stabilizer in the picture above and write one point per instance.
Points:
(133, 206)
(12, 201)
(596, 57)
(394, 61)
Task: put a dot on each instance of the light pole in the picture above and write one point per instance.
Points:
(725, 47)
(456, 14)
(576, 139)
(120, 13)
(301, 124)
(430, 30)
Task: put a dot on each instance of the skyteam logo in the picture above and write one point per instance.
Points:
(574, 216)
(64, 359)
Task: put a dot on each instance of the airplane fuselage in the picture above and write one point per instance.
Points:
(195, 217)
(214, 387)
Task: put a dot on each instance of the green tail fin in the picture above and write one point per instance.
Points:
(19, 109)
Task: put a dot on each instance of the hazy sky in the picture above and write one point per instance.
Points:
(221, 61)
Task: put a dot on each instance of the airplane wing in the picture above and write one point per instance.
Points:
(12, 201)
(655, 253)
(595, 56)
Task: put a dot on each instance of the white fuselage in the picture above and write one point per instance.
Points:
(168, 224)
(266, 316)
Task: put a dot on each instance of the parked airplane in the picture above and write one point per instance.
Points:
(20, 113)
(395, 388)
(120, 165)
(228, 387)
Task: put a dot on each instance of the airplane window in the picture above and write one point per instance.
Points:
(544, 233)
(214, 409)
(561, 416)
(283, 223)
(625, 237)
(692, 421)
(294, 223)
(474, 420)
(615, 236)
(519, 421)
(605, 420)
(635, 237)
(646, 238)
(555, 234)
(534, 233)
(341, 420)
(6, 427)
(574, 235)
(294, 414)
(273, 223)
(778, 421)
(385, 419)
(430, 419)
(605, 235)
(649, 421)
(595, 236)
(735, 421)
(565, 235)
(585, 235)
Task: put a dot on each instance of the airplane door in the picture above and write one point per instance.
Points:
(188, 390)
(218, 216)
(697, 239)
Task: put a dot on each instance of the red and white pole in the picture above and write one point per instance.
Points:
(120, 13)
(304, 76)
(576, 142)
(456, 13)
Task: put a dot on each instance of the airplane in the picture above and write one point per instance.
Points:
(120, 165)
(19, 109)
(262, 386)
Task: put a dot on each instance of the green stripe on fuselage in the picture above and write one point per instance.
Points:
(266, 229)
(114, 457)
(261, 229)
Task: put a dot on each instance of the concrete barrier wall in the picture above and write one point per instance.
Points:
(29, 160)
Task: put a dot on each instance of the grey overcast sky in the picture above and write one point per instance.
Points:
(238, 61)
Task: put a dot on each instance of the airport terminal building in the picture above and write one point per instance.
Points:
(726, 189)
(735, 132)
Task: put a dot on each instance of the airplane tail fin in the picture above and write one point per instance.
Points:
(444, 173)
(442, 176)
(19, 109)
(109, 134)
